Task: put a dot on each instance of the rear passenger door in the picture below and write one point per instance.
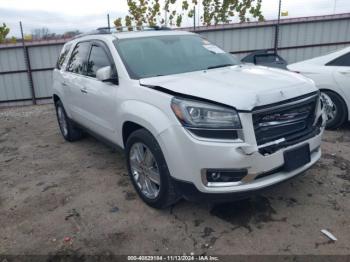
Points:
(341, 73)
(75, 79)
(99, 100)
(59, 74)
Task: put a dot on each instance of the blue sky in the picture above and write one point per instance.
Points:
(64, 15)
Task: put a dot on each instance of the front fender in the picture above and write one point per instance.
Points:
(150, 117)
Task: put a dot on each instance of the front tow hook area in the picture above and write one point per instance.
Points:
(248, 149)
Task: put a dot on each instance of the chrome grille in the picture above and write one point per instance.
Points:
(286, 120)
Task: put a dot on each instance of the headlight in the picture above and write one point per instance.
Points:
(207, 120)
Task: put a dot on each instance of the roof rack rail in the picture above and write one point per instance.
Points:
(110, 30)
(93, 32)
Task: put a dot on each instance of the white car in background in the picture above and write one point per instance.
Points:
(331, 74)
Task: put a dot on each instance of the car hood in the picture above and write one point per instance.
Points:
(243, 86)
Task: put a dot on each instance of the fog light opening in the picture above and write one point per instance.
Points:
(215, 176)
(224, 176)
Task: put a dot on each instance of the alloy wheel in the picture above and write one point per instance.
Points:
(144, 170)
(329, 107)
(62, 121)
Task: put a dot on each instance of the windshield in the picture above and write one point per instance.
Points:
(172, 54)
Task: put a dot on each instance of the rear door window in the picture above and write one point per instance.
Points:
(78, 60)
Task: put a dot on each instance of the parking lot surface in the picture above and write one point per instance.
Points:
(58, 197)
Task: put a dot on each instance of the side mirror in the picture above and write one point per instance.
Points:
(106, 74)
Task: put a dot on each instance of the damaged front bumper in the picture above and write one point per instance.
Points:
(189, 158)
(251, 162)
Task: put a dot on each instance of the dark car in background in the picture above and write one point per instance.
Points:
(265, 58)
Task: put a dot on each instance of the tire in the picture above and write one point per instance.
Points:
(67, 128)
(340, 114)
(162, 194)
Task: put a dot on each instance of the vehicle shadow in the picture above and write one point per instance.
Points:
(344, 127)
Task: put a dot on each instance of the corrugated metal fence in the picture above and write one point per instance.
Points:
(15, 84)
(300, 39)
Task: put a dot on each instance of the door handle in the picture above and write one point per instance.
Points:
(64, 84)
(83, 90)
(345, 72)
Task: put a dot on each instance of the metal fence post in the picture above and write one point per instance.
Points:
(29, 70)
(194, 18)
(277, 27)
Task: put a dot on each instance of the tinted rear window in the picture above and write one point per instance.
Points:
(343, 60)
(269, 58)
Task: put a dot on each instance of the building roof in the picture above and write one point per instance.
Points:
(19, 43)
(283, 21)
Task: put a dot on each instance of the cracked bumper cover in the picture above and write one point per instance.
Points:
(187, 156)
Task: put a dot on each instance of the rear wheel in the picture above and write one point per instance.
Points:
(335, 108)
(148, 170)
(68, 130)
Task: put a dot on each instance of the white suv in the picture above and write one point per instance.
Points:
(194, 122)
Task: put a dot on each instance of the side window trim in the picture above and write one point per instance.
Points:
(103, 45)
(93, 44)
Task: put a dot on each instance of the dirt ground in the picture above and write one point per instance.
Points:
(58, 197)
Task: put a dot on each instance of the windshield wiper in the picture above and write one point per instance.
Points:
(218, 66)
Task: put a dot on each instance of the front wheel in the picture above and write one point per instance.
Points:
(148, 170)
(68, 130)
(335, 108)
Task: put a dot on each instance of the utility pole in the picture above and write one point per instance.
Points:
(335, 6)
(277, 26)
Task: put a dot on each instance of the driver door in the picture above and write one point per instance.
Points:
(99, 101)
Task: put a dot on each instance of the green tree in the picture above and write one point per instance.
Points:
(4, 31)
(172, 12)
